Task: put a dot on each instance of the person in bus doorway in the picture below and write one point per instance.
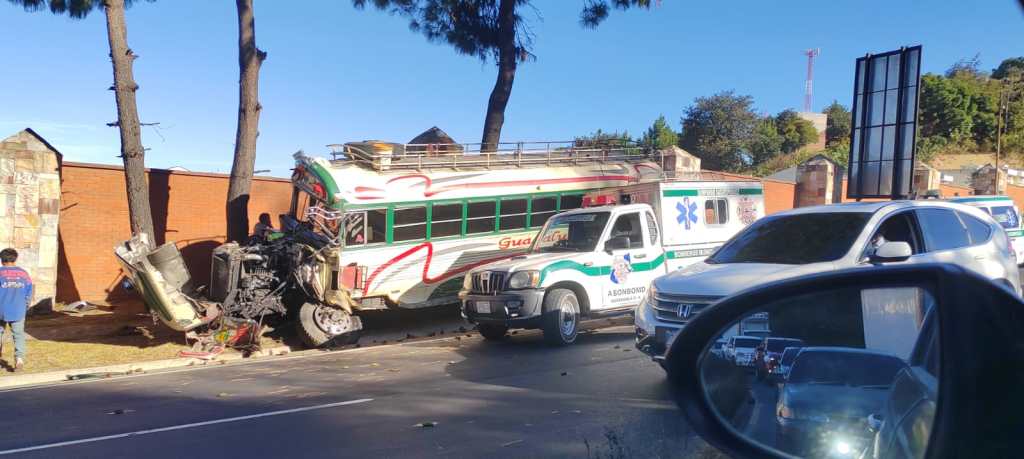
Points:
(15, 295)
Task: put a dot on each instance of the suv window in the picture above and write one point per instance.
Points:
(805, 238)
(628, 225)
(978, 230)
(942, 229)
(899, 227)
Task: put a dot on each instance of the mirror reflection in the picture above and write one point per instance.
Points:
(834, 373)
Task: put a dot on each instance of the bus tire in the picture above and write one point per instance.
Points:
(561, 317)
(320, 324)
(492, 332)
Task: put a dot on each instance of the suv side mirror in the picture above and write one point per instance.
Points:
(616, 243)
(891, 251)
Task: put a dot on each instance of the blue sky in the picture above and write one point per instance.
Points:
(336, 74)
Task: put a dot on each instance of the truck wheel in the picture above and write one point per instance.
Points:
(320, 324)
(561, 317)
(492, 332)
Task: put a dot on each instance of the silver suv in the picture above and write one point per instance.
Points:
(826, 238)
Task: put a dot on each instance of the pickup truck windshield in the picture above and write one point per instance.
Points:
(794, 239)
(578, 232)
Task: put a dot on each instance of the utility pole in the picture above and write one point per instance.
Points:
(809, 85)
(999, 131)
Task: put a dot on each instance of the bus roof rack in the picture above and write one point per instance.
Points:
(383, 156)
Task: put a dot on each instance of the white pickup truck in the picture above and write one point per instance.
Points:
(600, 260)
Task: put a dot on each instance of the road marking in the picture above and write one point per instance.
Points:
(183, 426)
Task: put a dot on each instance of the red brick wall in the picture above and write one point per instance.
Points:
(778, 195)
(949, 191)
(1014, 192)
(187, 207)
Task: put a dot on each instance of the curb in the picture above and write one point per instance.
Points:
(109, 371)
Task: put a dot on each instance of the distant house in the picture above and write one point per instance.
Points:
(961, 169)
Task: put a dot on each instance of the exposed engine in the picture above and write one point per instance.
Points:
(248, 285)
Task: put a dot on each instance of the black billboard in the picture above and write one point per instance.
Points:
(884, 130)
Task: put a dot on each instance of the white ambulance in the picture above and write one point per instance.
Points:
(600, 260)
(1006, 213)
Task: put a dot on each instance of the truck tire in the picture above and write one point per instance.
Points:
(320, 324)
(561, 318)
(492, 332)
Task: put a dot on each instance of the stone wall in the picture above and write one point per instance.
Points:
(29, 209)
(815, 182)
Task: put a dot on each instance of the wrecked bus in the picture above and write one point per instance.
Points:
(381, 225)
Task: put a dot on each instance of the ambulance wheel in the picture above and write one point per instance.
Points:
(561, 319)
(492, 332)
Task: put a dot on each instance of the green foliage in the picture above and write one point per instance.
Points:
(718, 129)
(473, 28)
(765, 143)
(660, 135)
(840, 121)
(960, 109)
(601, 138)
(77, 9)
(1008, 67)
(796, 132)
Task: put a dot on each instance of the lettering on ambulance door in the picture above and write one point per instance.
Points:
(623, 286)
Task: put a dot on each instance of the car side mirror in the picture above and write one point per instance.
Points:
(868, 335)
(891, 251)
(616, 243)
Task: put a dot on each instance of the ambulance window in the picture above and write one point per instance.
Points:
(410, 223)
(716, 211)
(652, 228)
(480, 217)
(628, 225)
(571, 201)
(513, 214)
(542, 209)
(446, 220)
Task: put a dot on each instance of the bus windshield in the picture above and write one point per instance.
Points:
(577, 232)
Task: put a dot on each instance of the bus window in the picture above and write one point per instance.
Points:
(355, 228)
(571, 201)
(541, 209)
(410, 223)
(513, 214)
(480, 217)
(365, 226)
(716, 211)
(446, 220)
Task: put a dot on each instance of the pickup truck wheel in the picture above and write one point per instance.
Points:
(561, 317)
(320, 324)
(492, 332)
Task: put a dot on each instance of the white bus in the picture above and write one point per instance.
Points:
(415, 218)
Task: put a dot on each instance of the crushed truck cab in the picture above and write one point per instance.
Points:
(585, 262)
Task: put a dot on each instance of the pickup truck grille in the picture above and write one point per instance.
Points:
(488, 282)
(679, 308)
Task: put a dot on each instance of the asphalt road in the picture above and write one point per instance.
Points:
(517, 398)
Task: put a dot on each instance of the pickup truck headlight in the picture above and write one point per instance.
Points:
(524, 279)
(467, 281)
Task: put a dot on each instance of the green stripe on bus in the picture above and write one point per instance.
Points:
(676, 193)
(1015, 233)
(597, 270)
(981, 199)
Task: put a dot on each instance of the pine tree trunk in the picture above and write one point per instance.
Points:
(249, 60)
(507, 58)
(128, 121)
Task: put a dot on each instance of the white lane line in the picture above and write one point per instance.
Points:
(183, 426)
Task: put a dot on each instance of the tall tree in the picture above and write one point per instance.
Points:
(718, 129)
(837, 129)
(124, 88)
(1008, 66)
(796, 132)
(765, 142)
(603, 139)
(660, 135)
(488, 29)
(250, 58)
